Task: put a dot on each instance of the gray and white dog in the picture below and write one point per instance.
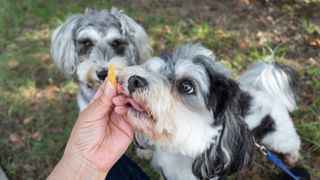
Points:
(186, 106)
(188, 109)
(84, 45)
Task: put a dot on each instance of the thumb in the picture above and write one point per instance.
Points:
(102, 105)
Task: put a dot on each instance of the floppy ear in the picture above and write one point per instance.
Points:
(63, 49)
(235, 146)
(136, 35)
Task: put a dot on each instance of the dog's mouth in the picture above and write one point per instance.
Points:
(134, 105)
(130, 100)
(138, 109)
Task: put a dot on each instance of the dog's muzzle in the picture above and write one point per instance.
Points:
(102, 74)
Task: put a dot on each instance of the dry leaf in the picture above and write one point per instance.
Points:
(315, 43)
(167, 29)
(36, 135)
(270, 18)
(28, 119)
(24, 133)
(28, 167)
(247, 2)
(262, 37)
(48, 93)
(15, 138)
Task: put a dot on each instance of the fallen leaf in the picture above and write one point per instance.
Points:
(247, 2)
(24, 133)
(28, 167)
(315, 43)
(262, 37)
(36, 135)
(13, 64)
(167, 29)
(15, 138)
(48, 93)
(28, 119)
(313, 62)
(270, 18)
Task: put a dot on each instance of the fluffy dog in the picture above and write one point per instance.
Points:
(193, 114)
(85, 43)
(189, 109)
(273, 90)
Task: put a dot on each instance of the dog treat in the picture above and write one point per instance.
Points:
(111, 75)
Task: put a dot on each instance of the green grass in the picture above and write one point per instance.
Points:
(310, 26)
(267, 54)
(182, 32)
(310, 113)
(32, 87)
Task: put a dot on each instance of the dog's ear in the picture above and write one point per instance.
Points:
(136, 35)
(63, 50)
(89, 10)
(235, 145)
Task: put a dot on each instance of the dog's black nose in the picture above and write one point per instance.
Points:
(136, 82)
(102, 74)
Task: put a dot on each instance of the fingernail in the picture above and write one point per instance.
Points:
(108, 88)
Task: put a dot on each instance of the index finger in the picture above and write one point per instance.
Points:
(99, 92)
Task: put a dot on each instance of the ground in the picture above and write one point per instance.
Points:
(37, 104)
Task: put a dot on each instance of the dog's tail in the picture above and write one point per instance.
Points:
(278, 80)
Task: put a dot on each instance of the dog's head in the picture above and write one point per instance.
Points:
(186, 103)
(85, 43)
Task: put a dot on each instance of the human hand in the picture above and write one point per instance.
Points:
(99, 137)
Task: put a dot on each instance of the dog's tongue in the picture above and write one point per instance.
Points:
(135, 105)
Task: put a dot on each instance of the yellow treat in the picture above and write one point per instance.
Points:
(112, 75)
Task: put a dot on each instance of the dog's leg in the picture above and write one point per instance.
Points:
(144, 153)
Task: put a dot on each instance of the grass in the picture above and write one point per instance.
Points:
(267, 54)
(310, 27)
(38, 107)
(181, 32)
(309, 129)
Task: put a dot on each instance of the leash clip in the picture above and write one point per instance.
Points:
(275, 160)
(262, 148)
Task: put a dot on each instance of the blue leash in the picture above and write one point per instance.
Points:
(275, 160)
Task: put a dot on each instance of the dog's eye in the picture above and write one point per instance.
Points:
(119, 45)
(186, 87)
(84, 46)
(87, 43)
(115, 44)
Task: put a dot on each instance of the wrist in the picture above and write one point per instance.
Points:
(75, 166)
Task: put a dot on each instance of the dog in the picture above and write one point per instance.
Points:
(188, 108)
(84, 45)
(274, 91)
(197, 119)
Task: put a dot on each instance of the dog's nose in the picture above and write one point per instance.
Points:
(136, 82)
(102, 74)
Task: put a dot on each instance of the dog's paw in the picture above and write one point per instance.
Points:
(144, 153)
(292, 158)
